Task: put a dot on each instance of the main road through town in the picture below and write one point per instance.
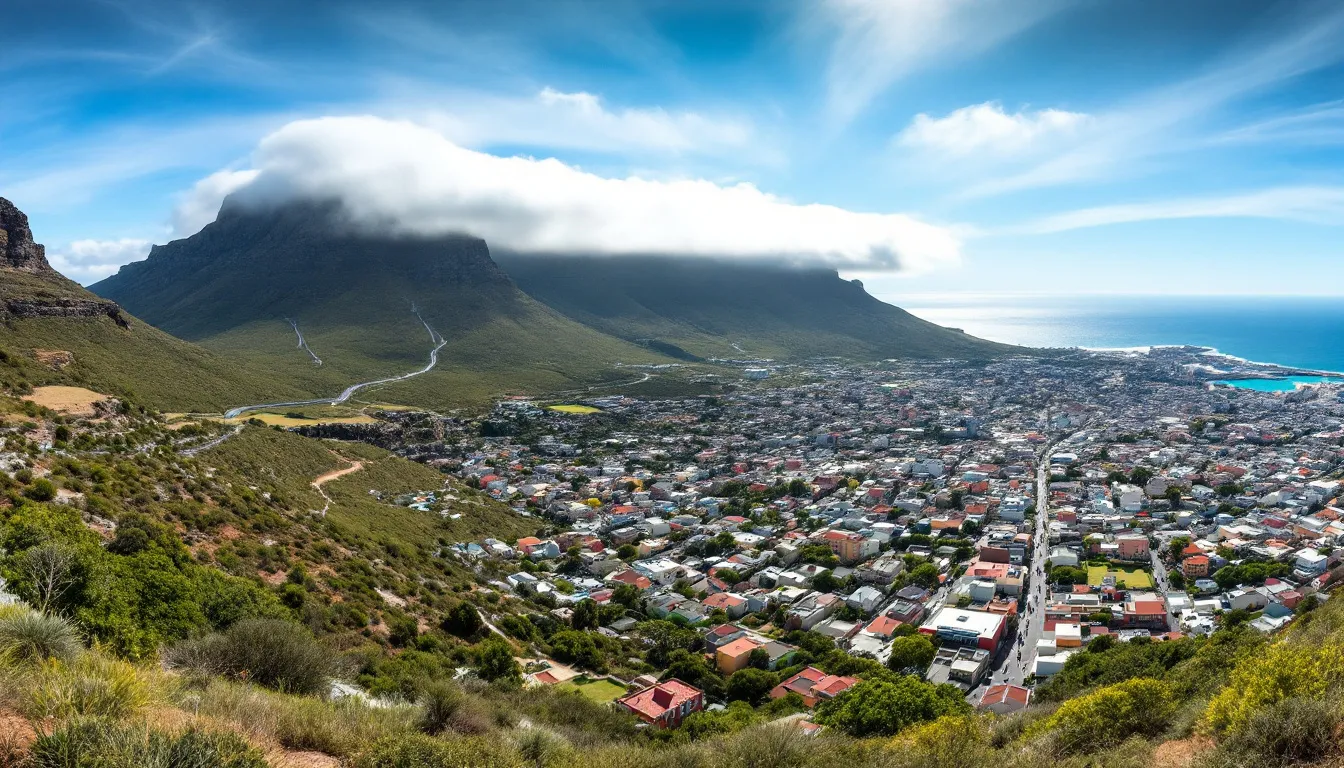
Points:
(1016, 662)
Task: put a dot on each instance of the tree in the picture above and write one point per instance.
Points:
(585, 615)
(627, 551)
(798, 488)
(495, 662)
(629, 596)
(50, 569)
(728, 576)
(1140, 476)
(1176, 547)
(912, 654)
(693, 669)
(664, 638)
(825, 582)
(463, 620)
(576, 647)
(759, 659)
(884, 707)
(925, 575)
(751, 685)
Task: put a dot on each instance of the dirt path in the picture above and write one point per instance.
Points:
(322, 480)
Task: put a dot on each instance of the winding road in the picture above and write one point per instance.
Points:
(434, 338)
(303, 343)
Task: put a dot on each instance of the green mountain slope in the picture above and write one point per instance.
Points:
(730, 309)
(55, 332)
(235, 286)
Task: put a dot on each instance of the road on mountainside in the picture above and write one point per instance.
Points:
(434, 338)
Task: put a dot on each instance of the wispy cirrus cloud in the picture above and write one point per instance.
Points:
(1307, 204)
(878, 42)
(1174, 118)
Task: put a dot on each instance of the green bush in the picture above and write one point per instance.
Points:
(883, 708)
(102, 744)
(1108, 716)
(92, 686)
(440, 702)
(420, 751)
(28, 636)
(270, 652)
(1292, 731)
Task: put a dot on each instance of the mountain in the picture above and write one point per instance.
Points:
(236, 287)
(719, 308)
(52, 331)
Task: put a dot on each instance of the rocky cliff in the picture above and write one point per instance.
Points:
(30, 288)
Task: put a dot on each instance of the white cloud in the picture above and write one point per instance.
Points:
(412, 179)
(199, 205)
(581, 120)
(87, 261)
(1311, 205)
(987, 129)
(881, 41)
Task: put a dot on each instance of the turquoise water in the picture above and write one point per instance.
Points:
(1287, 384)
(1290, 331)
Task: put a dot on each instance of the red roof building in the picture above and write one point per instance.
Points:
(814, 686)
(665, 704)
(1005, 699)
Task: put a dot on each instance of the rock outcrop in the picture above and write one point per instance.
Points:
(38, 290)
(17, 249)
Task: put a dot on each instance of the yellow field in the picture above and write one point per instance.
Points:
(277, 420)
(73, 401)
(574, 408)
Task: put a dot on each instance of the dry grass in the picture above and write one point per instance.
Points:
(71, 401)
(339, 728)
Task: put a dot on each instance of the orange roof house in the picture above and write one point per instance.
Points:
(735, 655)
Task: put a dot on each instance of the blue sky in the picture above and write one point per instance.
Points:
(975, 146)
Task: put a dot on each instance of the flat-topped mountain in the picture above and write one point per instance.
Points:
(246, 281)
(722, 308)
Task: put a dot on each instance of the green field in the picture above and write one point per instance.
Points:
(1136, 578)
(600, 691)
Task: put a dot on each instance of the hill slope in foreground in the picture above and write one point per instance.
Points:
(52, 331)
(220, 593)
(359, 300)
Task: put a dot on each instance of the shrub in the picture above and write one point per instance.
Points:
(108, 745)
(1291, 731)
(955, 741)
(271, 652)
(420, 751)
(440, 701)
(91, 686)
(1281, 671)
(1109, 715)
(28, 636)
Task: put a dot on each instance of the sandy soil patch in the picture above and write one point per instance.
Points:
(72, 401)
(1180, 753)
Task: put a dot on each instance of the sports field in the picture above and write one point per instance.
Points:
(1131, 579)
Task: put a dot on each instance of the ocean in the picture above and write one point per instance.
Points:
(1289, 331)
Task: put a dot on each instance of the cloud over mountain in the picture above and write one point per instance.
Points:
(404, 177)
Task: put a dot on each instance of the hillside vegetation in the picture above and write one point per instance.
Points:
(196, 610)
